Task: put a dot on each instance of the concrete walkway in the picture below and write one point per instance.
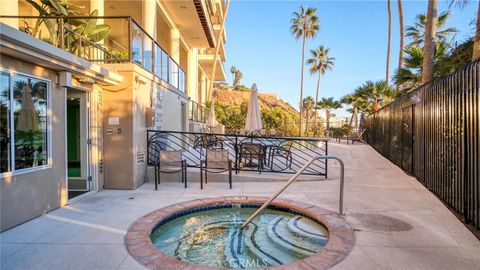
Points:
(399, 224)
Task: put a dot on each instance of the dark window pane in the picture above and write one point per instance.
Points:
(164, 74)
(5, 160)
(137, 45)
(158, 61)
(30, 121)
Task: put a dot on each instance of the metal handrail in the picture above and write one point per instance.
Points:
(293, 178)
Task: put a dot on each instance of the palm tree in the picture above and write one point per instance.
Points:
(443, 34)
(304, 25)
(356, 101)
(476, 40)
(329, 104)
(402, 38)
(308, 105)
(233, 70)
(237, 76)
(409, 76)
(377, 94)
(429, 43)
(320, 63)
(389, 12)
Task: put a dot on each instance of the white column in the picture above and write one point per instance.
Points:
(149, 14)
(98, 5)
(205, 88)
(175, 54)
(192, 74)
(9, 7)
(175, 45)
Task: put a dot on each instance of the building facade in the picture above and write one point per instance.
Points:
(80, 89)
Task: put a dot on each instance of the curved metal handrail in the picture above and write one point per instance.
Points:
(294, 177)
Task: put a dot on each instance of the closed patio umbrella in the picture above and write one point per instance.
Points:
(27, 120)
(254, 119)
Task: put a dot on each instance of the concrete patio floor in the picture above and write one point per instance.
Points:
(399, 224)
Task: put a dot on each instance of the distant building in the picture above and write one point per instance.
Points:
(75, 104)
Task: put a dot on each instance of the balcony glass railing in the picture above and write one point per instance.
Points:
(197, 112)
(114, 40)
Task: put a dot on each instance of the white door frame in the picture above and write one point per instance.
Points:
(87, 115)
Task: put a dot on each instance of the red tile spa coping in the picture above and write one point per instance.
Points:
(340, 242)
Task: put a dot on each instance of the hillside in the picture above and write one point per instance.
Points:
(265, 99)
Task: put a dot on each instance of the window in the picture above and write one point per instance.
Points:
(5, 161)
(23, 122)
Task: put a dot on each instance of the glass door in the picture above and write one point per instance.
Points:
(78, 143)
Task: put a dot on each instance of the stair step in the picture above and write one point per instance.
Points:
(257, 242)
(307, 228)
(281, 235)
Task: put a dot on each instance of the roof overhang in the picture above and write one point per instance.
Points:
(26, 47)
(193, 20)
(206, 63)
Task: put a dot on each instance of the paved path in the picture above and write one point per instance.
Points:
(400, 224)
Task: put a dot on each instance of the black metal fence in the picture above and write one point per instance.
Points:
(434, 133)
(274, 154)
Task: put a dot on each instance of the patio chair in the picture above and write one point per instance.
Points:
(282, 151)
(356, 138)
(216, 161)
(251, 151)
(208, 142)
(170, 162)
(272, 132)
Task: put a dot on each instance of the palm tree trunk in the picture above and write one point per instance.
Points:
(389, 11)
(351, 118)
(306, 120)
(476, 41)
(429, 47)
(375, 106)
(301, 84)
(316, 98)
(402, 38)
(327, 116)
(356, 119)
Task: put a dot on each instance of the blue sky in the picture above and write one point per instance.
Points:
(260, 45)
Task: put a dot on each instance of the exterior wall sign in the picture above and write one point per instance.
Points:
(113, 121)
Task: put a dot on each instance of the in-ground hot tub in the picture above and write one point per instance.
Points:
(203, 234)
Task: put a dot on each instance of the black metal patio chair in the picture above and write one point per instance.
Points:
(250, 152)
(208, 141)
(283, 150)
(170, 162)
(355, 138)
(216, 161)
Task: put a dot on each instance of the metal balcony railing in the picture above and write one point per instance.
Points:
(124, 41)
(248, 153)
(197, 112)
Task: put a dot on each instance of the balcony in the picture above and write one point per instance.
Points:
(105, 40)
(197, 112)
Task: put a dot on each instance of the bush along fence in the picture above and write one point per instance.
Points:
(434, 134)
